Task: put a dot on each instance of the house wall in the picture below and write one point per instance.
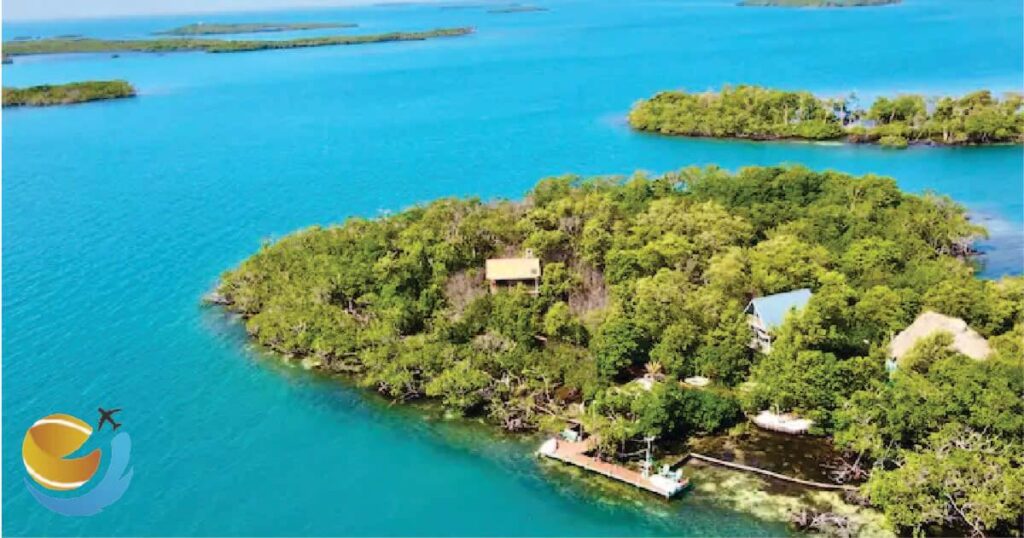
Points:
(760, 338)
(532, 285)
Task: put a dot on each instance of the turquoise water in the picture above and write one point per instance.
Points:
(118, 216)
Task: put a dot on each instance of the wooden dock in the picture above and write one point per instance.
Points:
(576, 453)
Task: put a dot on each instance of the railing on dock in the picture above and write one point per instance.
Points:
(793, 479)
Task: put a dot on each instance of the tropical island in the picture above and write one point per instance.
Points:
(757, 113)
(517, 8)
(674, 307)
(816, 3)
(201, 28)
(59, 46)
(65, 94)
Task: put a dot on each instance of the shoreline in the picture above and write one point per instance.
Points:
(754, 496)
(364, 300)
(828, 141)
(817, 4)
(723, 445)
(622, 120)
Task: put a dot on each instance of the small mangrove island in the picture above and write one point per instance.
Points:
(65, 94)
(757, 113)
(201, 28)
(675, 307)
(58, 46)
(517, 8)
(816, 3)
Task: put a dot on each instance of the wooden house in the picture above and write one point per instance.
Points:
(765, 314)
(505, 273)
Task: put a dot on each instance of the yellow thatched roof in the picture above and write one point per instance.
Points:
(513, 268)
(965, 339)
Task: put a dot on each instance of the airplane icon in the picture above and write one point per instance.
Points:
(107, 416)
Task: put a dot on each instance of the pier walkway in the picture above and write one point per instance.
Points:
(741, 467)
(575, 453)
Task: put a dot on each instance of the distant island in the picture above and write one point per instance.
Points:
(816, 3)
(454, 7)
(517, 8)
(65, 94)
(250, 27)
(634, 297)
(491, 8)
(58, 46)
(756, 113)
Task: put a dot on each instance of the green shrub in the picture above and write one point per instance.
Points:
(893, 141)
(707, 411)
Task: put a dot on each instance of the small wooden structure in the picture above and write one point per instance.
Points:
(505, 273)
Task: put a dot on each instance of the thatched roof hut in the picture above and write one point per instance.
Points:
(965, 339)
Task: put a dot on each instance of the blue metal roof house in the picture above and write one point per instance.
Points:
(765, 314)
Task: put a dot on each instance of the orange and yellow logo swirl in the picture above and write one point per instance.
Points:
(47, 443)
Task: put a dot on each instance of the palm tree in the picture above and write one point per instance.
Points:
(654, 370)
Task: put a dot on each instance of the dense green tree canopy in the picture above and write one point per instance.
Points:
(64, 94)
(680, 256)
(201, 28)
(766, 114)
(651, 275)
(945, 434)
(739, 112)
(59, 45)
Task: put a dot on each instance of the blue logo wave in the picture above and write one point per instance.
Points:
(113, 485)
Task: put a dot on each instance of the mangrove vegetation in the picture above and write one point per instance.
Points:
(517, 8)
(201, 28)
(816, 3)
(756, 113)
(58, 46)
(647, 278)
(65, 94)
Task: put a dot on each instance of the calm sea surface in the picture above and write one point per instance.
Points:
(118, 216)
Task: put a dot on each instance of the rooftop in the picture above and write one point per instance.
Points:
(965, 339)
(513, 268)
(772, 309)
